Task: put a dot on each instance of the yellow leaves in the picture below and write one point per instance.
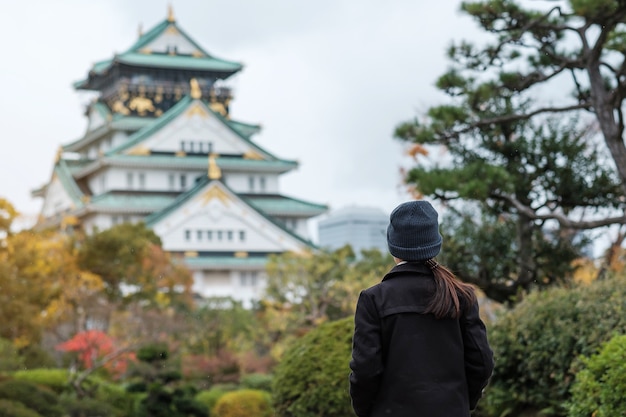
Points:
(585, 271)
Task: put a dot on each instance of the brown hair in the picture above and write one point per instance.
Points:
(451, 295)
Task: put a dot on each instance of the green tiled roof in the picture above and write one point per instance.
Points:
(136, 57)
(282, 205)
(141, 202)
(118, 123)
(212, 261)
(65, 176)
(244, 129)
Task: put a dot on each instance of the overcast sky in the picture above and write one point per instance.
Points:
(327, 79)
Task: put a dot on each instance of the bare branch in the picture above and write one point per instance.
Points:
(563, 220)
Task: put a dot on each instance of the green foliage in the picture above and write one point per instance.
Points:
(210, 397)
(36, 356)
(600, 387)
(89, 407)
(10, 358)
(10, 408)
(537, 343)
(243, 403)
(131, 254)
(55, 379)
(42, 400)
(257, 381)
(546, 163)
(153, 352)
(312, 378)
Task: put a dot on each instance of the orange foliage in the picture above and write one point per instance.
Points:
(94, 345)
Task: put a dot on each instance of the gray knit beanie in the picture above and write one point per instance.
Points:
(413, 231)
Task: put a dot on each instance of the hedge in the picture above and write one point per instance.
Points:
(243, 403)
(600, 388)
(537, 345)
(311, 380)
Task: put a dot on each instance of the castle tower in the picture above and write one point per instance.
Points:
(161, 147)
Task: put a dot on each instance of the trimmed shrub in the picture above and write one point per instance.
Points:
(243, 403)
(55, 379)
(257, 381)
(89, 407)
(600, 388)
(42, 400)
(10, 408)
(537, 343)
(311, 380)
(210, 397)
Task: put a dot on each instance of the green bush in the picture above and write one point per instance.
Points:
(210, 397)
(42, 400)
(600, 388)
(88, 407)
(116, 395)
(55, 379)
(10, 359)
(10, 408)
(537, 343)
(257, 381)
(312, 378)
(243, 403)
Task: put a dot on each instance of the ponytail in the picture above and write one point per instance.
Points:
(451, 295)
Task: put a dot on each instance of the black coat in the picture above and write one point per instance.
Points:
(406, 363)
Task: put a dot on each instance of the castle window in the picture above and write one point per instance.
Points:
(209, 234)
(229, 235)
(129, 180)
(219, 235)
(142, 180)
(183, 181)
(182, 145)
(199, 235)
(187, 235)
(171, 181)
(251, 183)
(262, 183)
(242, 235)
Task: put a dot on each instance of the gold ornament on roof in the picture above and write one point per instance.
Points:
(215, 192)
(195, 93)
(141, 105)
(215, 173)
(59, 154)
(118, 107)
(170, 13)
(139, 150)
(197, 110)
(250, 154)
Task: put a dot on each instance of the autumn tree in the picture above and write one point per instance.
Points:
(133, 266)
(42, 284)
(533, 128)
(309, 288)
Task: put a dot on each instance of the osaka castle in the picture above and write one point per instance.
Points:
(161, 147)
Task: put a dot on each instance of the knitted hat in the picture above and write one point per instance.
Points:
(413, 231)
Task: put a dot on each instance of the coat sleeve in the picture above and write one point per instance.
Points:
(479, 362)
(367, 361)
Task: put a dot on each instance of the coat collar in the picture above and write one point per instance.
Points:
(410, 267)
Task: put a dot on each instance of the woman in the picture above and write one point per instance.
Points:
(419, 346)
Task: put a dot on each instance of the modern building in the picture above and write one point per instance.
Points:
(161, 147)
(360, 227)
